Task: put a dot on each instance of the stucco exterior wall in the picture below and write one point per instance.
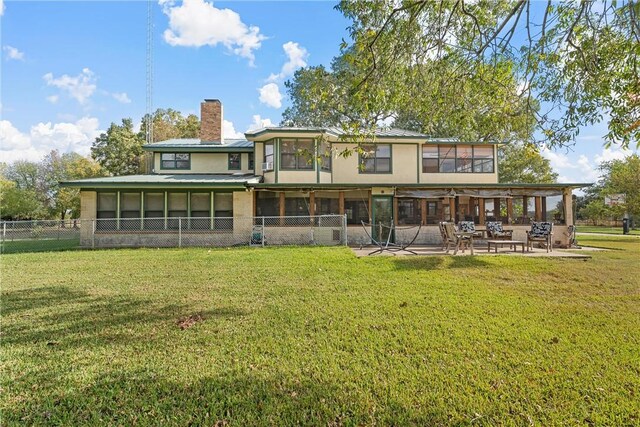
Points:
(404, 166)
(88, 206)
(459, 178)
(206, 163)
(297, 177)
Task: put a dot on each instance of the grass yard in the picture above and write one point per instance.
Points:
(605, 230)
(38, 245)
(315, 336)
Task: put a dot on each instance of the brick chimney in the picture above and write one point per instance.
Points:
(211, 121)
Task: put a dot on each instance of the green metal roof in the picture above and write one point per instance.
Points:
(336, 131)
(397, 185)
(197, 145)
(167, 181)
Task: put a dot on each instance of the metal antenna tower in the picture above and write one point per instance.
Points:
(149, 112)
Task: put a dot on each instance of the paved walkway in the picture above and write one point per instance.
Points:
(482, 250)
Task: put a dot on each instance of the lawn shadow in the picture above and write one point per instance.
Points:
(144, 397)
(438, 262)
(81, 319)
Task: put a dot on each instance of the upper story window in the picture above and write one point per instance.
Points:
(296, 154)
(460, 159)
(268, 156)
(251, 160)
(234, 161)
(175, 161)
(375, 158)
(325, 156)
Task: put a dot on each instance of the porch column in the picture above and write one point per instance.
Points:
(567, 201)
(395, 210)
(452, 209)
(312, 203)
(509, 210)
(525, 208)
(496, 208)
(481, 218)
(370, 207)
(341, 202)
(282, 210)
(423, 211)
(538, 202)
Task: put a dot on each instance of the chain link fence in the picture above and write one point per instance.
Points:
(33, 236)
(39, 235)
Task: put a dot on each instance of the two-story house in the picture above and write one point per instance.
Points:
(400, 176)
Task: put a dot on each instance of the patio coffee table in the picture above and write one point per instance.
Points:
(511, 243)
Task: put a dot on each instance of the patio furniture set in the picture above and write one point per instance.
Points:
(463, 236)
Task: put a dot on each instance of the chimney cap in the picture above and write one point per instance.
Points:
(211, 100)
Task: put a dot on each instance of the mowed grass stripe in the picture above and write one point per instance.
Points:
(316, 336)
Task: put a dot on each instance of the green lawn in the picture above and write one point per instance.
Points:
(38, 245)
(315, 336)
(606, 230)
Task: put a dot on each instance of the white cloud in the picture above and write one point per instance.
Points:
(259, 123)
(197, 23)
(44, 137)
(296, 58)
(53, 98)
(229, 131)
(1, 7)
(270, 95)
(609, 154)
(80, 87)
(13, 53)
(121, 97)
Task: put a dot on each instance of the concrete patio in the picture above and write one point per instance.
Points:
(481, 250)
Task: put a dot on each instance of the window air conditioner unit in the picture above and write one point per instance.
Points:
(267, 166)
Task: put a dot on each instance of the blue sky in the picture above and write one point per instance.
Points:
(71, 68)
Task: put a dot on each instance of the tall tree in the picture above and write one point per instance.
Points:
(623, 177)
(575, 62)
(169, 124)
(523, 163)
(119, 149)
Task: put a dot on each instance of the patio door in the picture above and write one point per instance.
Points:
(382, 218)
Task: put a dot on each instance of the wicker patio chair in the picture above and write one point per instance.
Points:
(541, 232)
(496, 232)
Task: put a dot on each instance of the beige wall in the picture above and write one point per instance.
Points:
(458, 178)
(88, 207)
(302, 177)
(404, 166)
(206, 163)
(325, 177)
(259, 158)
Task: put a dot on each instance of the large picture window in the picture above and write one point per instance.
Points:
(268, 156)
(409, 211)
(234, 161)
(175, 161)
(325, 156)
(296, 154)
(457, 159)
(483, 159)
(375, 158)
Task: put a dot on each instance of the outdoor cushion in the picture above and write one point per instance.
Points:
(467, 227)
(495, 229)
(540, 229)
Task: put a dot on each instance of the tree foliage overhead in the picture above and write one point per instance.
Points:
(523, 163)
(573, 63)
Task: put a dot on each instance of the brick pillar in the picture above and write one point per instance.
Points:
(211, 121)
